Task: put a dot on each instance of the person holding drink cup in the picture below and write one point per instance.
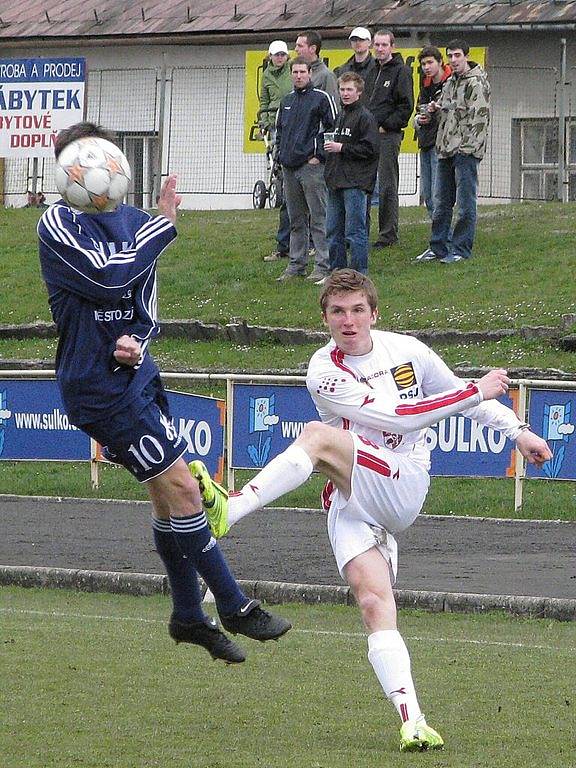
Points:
(351, 163)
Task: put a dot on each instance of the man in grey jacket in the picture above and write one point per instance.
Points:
(308, 45)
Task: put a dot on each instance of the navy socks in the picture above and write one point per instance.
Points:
(182, 576)
(196, 542)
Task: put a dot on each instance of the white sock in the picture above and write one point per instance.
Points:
(283, 474)
(390, 660)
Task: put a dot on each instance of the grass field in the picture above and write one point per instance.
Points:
(214, 272)
(93, 681)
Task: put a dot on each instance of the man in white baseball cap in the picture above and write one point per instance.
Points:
(362, 62)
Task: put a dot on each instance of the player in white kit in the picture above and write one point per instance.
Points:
(375, 393)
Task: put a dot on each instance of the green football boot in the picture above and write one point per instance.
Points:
(214, 499)
(416, 736)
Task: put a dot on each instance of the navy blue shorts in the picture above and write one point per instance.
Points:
(142, 437)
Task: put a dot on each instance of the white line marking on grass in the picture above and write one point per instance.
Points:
(318, 632)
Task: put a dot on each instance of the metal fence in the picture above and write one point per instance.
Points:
(191, 120)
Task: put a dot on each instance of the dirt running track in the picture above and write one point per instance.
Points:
(484, 556)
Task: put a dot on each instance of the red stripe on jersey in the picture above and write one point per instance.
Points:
(404, 712)
(345, 423)
(375, 463)
(337, 357)
(434, 403)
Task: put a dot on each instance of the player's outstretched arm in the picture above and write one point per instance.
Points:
(534, 449)
(169, 201)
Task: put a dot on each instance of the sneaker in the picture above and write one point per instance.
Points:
(427, 255)
(288, 276)
(276, 256)
(323, 281)
(253, 621)
(452, 258)
(416, 736)
(208, 635)
(214, 499)
(315, 275)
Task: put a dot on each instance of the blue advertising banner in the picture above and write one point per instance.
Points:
(34, 425)
(552, 414)
(200, 422)
(267, 418)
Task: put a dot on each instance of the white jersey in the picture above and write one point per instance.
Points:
(394, 392)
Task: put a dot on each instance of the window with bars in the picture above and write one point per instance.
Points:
(536, 149)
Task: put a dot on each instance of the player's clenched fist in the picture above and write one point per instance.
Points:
(494, 384)
(128, 351)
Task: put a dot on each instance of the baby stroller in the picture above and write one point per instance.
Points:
(271, 189)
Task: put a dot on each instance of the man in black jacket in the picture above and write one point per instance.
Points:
(391, 102)
(350, 173)
(304, 115)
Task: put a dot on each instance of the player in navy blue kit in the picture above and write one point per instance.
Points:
(100, 272)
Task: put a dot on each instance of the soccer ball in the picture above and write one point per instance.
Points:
(92, 175)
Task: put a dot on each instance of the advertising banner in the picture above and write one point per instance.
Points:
(200, 422)
(267, 418)
(38, 97)
(254, 69)
(34, 425)
(552, 414)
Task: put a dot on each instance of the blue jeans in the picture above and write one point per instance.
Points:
(456, 184)
(346, 223)
(428, 168)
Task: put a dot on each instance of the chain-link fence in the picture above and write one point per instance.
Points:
(191, 121)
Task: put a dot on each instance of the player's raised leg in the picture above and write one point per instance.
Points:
(319, 446)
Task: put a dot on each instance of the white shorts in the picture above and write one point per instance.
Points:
(388, 491)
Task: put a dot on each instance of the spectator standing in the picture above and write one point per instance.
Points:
(308, 46)
(302, 118)
(276, 83)
(434, 75)
(362, 62)
(464, 109)
(391, 102)
(350, 173)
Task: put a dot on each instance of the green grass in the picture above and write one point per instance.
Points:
(214, 272)
(543, 499)
(223, 356)
(93, 681)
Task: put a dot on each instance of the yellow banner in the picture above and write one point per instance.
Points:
(256, 62)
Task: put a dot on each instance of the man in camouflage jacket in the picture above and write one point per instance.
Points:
(464, 108)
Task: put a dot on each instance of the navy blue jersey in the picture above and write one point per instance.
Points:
(100, 271)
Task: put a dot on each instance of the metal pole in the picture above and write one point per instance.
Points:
(34, 183)
(229, 438)
(562, 193)
(161, 117)
(520, 464)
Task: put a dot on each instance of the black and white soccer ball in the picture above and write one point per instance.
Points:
(92, 175)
